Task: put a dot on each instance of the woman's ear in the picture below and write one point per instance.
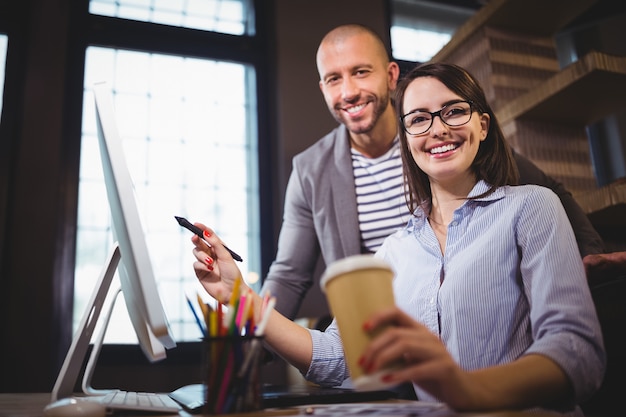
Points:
(485, 119)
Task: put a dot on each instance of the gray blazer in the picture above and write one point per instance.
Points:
(320, 217)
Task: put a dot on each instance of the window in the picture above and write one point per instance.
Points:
(224, 16)
(420, 28)
(188, 126)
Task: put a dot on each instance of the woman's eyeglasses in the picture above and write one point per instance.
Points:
(454, 114)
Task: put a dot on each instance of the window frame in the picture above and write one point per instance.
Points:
(11, 18)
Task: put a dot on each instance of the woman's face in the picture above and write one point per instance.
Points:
(445, 153)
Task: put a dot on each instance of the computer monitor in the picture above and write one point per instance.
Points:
(136, 274)
(129, 257)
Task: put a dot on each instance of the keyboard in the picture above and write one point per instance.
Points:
(137, 401)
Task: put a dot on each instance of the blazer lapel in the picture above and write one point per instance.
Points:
(344, 194)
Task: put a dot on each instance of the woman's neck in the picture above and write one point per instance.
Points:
(447, 198)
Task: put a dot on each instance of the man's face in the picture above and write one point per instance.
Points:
(356, 81)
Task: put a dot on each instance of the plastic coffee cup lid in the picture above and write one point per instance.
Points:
(352, 263)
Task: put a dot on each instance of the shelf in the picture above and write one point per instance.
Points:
(531, 17)
(582, 93)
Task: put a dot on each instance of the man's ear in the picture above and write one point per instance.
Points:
(393, 71)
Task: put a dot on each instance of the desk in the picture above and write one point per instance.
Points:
(31, 405)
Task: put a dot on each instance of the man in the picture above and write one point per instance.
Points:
(345, 193)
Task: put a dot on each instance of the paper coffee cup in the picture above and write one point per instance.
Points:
(356, 287)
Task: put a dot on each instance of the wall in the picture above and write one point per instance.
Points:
(303, 117)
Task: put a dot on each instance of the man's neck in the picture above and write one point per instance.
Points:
(380, 139)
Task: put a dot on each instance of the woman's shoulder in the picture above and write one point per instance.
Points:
(532, 198)
(529, 191)
(512, 193)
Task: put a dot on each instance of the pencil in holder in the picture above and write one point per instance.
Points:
(231, 371)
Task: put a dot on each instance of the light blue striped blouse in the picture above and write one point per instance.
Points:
(513, 284)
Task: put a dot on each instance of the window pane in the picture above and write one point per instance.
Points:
(224, 16)
(3, 58)
(416, 45)
(191, 146)
(419, 29)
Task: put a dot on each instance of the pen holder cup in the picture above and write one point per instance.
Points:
(232, 374)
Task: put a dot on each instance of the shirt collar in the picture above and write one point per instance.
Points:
(420, 216)
(482, 187)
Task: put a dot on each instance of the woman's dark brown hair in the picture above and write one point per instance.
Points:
(494, 161)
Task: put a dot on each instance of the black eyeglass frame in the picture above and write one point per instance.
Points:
(437, 113)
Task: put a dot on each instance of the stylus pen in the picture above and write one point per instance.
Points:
(195, 229)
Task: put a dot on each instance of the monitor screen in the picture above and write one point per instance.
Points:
(136, 273)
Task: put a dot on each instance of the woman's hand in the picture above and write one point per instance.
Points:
(214, 266)
(217, 272)
(528, 381)
(425, 360)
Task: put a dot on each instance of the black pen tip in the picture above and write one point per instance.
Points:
(179, 219)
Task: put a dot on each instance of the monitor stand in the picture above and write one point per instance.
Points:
(70, 370)
(95, 351)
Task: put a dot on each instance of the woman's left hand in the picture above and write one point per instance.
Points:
(425, 360)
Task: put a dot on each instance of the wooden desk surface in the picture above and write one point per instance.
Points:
(32, 405)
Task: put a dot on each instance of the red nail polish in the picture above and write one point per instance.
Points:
(387, 378)
(361, 361)
(207, 234)
(367, 326)
(208, 261)
(210, 268)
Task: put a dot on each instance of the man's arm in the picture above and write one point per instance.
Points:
(291, 274)
(588, 239)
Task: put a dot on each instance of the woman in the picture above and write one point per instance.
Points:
(493, 309)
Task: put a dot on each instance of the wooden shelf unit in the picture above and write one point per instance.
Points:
(509, 46)
(531, 17)
(582, 93)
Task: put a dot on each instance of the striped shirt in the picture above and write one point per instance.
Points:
(513, 284)
(381, 205)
